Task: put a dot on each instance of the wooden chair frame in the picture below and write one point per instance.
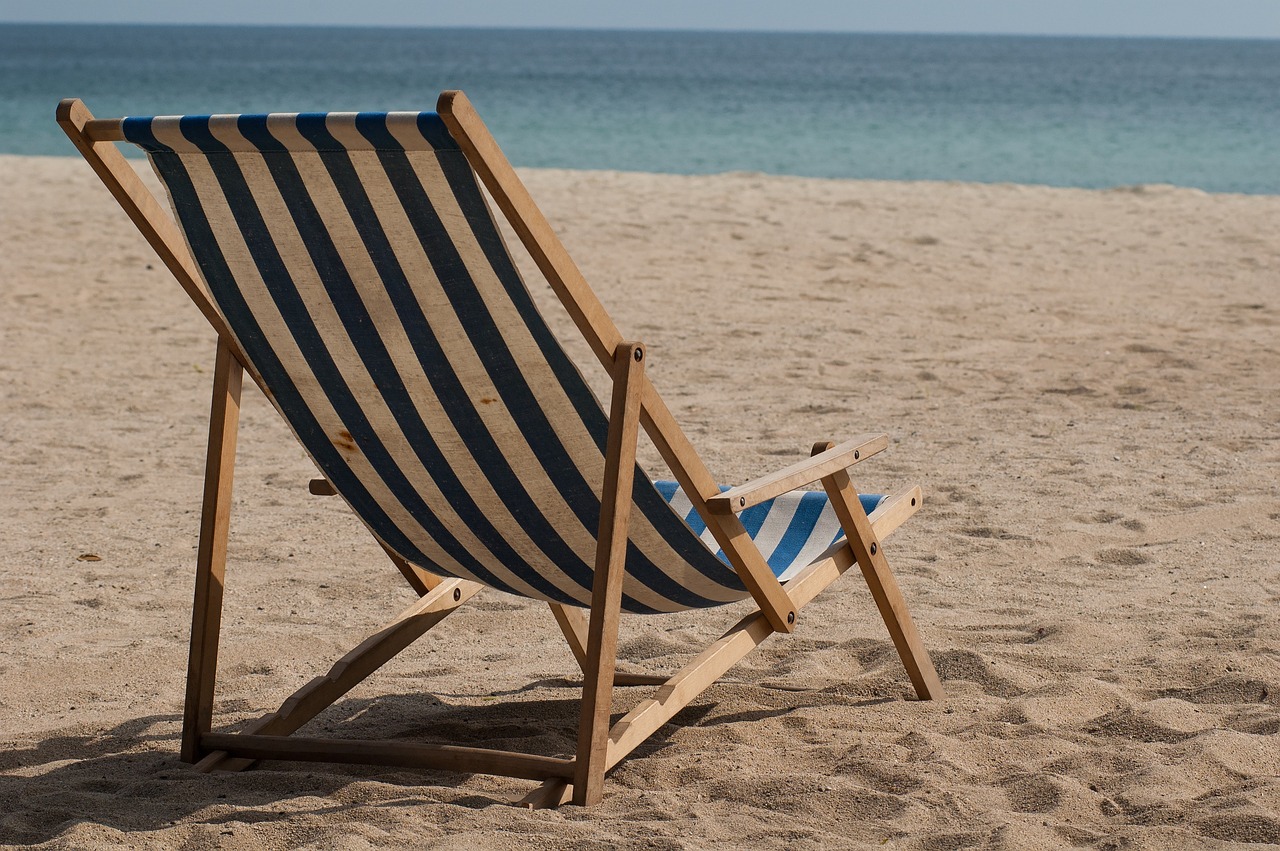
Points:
(635, 404)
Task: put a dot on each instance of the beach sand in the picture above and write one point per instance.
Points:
(1085, 383)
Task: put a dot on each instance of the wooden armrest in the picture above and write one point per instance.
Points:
(321, 487)
(895, 510)
(839, 457)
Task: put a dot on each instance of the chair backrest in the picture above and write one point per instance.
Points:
(357, 264)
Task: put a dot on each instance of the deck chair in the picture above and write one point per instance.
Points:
(351, 265)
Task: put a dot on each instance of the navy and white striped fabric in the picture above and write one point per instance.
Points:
(356, 262)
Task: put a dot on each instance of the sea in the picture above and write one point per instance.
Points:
(1086, 112)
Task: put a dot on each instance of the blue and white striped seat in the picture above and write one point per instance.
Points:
(791, 531)
(357, 265)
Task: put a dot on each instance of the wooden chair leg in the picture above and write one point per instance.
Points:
(884, 588)
(211, 558)
(606, 589)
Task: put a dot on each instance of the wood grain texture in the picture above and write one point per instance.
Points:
(606, 589)
(884, 587)
(211, 554)
(799, 474)
(397, 753)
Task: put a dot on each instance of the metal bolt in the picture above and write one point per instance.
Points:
(457, 594)
(873, 548)
(791, 617)
(913, 500)
(639, 355)
(856, 455)
(742, 501)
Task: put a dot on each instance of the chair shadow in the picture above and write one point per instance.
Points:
(129, 777)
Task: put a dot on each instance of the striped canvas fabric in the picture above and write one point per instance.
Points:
(356, 262)
(791, 531)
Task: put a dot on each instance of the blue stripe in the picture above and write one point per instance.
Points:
(433, 129)
(138, 131)
(798, 531)
(753, 518)
(373, 126)
(667, 489)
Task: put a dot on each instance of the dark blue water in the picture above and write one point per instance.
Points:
(1060, 111)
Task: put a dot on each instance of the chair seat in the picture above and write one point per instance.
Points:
(791, 530)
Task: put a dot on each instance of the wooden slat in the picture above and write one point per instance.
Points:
(646, 718)
(398, 753)
(610, 564)
(799, 474)
(884, 588)
(895, 510)
(349, 671)
(211, 555)
(146, 212)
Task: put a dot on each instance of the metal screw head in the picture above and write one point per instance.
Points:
(873, 548)
(742, 501)
(457, 594)
(639, 355)
(856, 455)
(791, 617)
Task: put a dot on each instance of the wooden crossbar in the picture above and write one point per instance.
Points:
(798, 475)
(352, 669)
(645, 719)
(399, 753)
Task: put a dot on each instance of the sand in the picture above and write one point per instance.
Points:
(1085, 383)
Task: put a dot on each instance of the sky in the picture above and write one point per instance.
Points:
(1178, 18)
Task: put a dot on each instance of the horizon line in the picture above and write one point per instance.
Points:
(636, 29)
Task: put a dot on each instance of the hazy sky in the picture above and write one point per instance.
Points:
(1213, 18)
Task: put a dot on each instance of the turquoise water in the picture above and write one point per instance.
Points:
(1059, 111)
